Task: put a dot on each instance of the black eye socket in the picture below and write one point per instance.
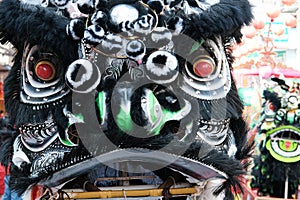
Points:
(45, 70)
(41, 66)
(39, 76)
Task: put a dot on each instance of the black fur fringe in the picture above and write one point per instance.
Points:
(225, 18)
(8, 137)
(228, 165)
(21, 23)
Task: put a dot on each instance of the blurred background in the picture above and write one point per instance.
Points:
(270, 48)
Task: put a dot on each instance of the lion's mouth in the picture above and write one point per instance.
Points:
(283, 143)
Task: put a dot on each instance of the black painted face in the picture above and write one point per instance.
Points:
(156, 78)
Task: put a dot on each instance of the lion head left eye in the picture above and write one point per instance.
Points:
(40, 67)
(206, 75)
(45, 70)
(40, 75)
(203, 66)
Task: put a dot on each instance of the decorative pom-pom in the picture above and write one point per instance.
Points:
(161, 36)
(75, 29)
(82, 76)
(157, 5)
(99, 17)
(144, 24)
(176, 24)
(111, 44)
(87, 6)
(126, 27)
(94, 34)
(135, 49)
(162, 67)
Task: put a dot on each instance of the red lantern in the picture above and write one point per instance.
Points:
(288, 2)
(258, 24)
(273, 12)
(291, 21)
(249, 31)
(278, 30)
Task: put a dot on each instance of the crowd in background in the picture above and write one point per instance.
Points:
(5, 133)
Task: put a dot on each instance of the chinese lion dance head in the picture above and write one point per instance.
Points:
(100, 83)
(277, 165)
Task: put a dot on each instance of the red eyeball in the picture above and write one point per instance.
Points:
(271, 107)
(203, 68)
(45, 70)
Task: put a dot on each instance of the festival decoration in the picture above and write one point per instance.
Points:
(288, 2)
(273, 12)
(250, 32)
(126, 89)
(262, 41)
(258, 24)
(291, 21)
